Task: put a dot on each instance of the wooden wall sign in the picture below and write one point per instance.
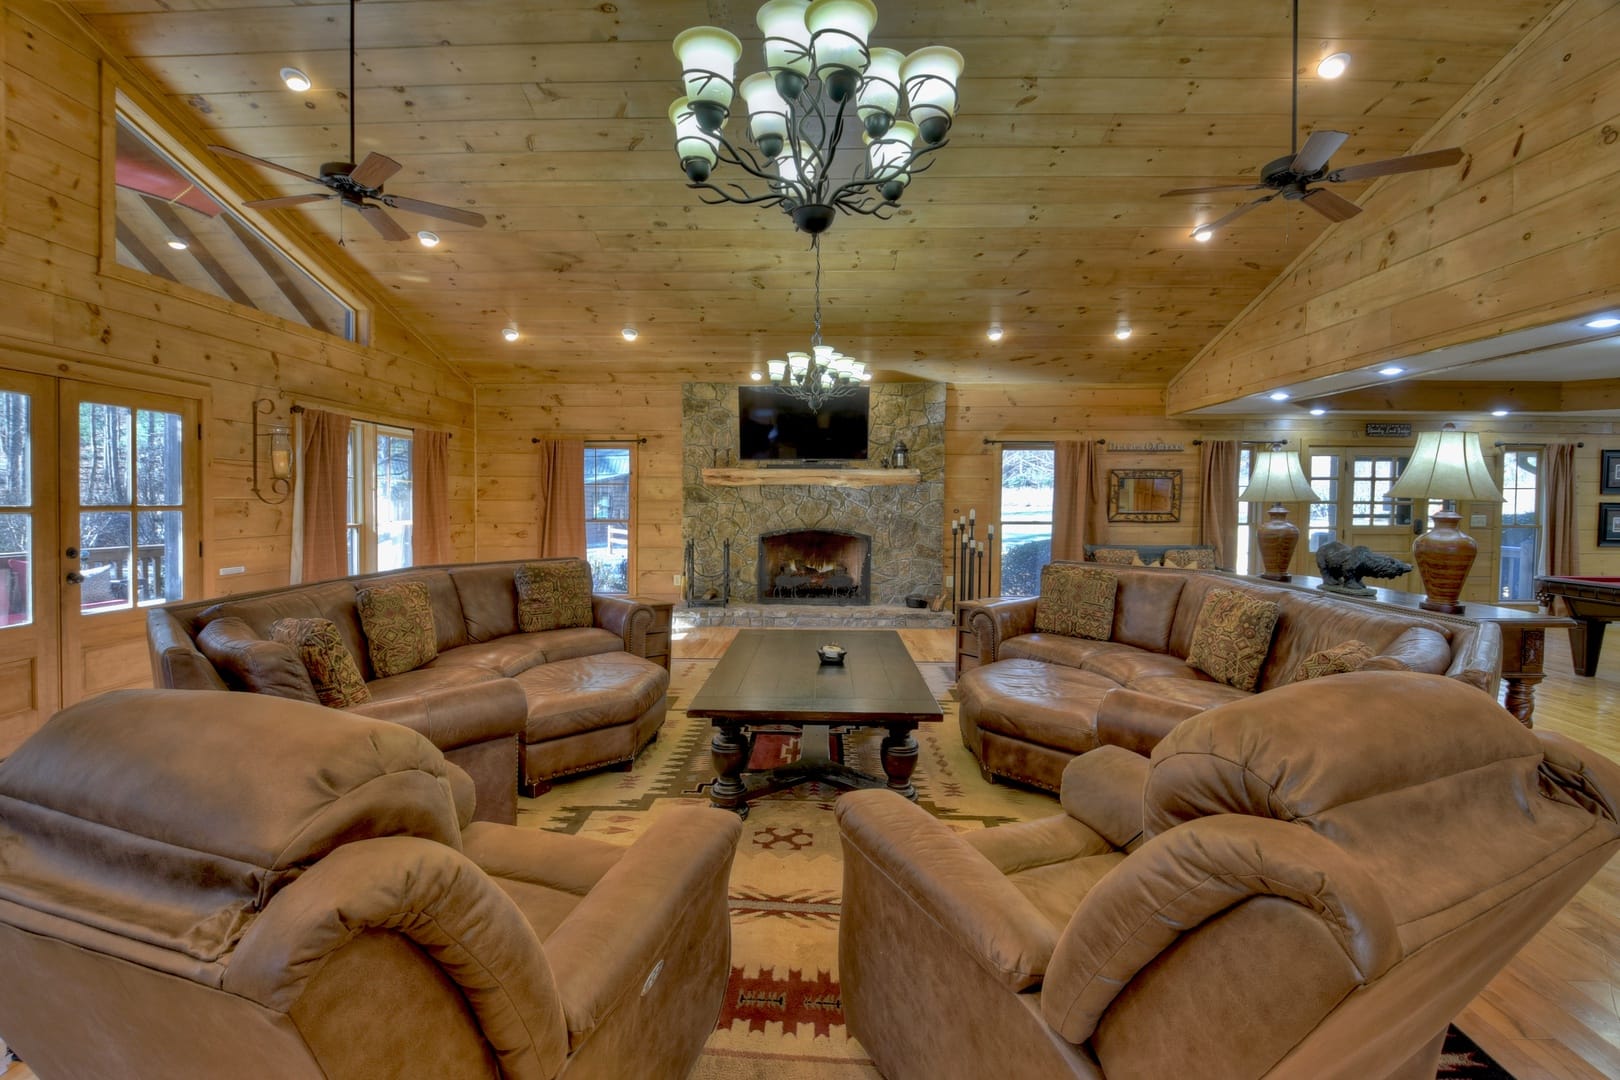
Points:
(1389, 431)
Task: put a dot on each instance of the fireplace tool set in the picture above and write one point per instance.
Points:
(970, 558)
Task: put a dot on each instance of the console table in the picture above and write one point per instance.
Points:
(1524, 634)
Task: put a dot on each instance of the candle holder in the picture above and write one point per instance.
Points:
(279, 454)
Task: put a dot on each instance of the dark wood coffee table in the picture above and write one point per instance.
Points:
(773, 681)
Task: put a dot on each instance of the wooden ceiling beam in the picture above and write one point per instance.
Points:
(1436, 396)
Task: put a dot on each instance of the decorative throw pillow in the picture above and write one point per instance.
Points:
(330, 665)
(248, 662)
(553, 595)
(1190, 558)
(1077, 601)
(1118, 556)
(398, 621)
(1340, 658)
(1232, 636)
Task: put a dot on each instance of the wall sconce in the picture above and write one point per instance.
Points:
(280, 454)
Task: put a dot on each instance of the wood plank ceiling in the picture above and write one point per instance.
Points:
(1043, 215)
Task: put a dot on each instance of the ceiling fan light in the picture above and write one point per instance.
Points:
(296, 80)
(428, 239)
(708, 56)
(879, 97)
(787, 43)
(767, 113)
(930, 76)
(1333, 66)
(838, 33)
(695, 147)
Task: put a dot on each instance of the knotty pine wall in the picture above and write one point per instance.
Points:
(62, 315)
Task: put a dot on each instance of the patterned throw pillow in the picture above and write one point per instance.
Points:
(1190, 558)
(330, 665)
(1118, 556)
(1346, 656)
(1077, 601)
(398, 621)
(553, 595)
(1232, 636)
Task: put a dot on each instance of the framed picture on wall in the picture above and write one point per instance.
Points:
(1611, 473)
(1608, 524)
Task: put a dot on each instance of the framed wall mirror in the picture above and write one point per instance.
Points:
(1144, 494)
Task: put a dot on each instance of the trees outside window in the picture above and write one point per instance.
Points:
(1521, 523)
(607, 516)
(379, 497)
(1027, 474)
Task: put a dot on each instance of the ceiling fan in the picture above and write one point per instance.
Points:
(1291, 176)
(359, 186)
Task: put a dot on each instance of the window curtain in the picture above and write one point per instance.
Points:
(560, 497)
(430, 498)
(1217, 512)
(1562, 547)
(1079, 501)
(323, 532)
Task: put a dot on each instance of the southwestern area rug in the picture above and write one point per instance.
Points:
(783, 1017)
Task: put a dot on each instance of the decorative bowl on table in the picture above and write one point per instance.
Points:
(831, 653)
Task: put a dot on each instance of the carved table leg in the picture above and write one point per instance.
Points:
(900, 759)
(729, 749)
(1522, 669)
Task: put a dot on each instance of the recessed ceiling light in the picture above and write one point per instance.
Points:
(995, 333)
(428, 239)
(1203, 233)
(1499, 412)
(296, 80)
(1123, 333)
(1319, 411)
(177, 243)
(510, 333)
(630, 333)
(755, 375)
(1333, 66)
(1278, 395)
(1608, 322)
(1391, 371)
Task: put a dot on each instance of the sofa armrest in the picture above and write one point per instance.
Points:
(1102, 789)
(177, 664)
(897, 848)
(995, 621)
(628, 619)
(1476, 657)
(455, 716)
(1137, 721)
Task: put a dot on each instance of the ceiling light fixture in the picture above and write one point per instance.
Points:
(823, 373)
(995, 333)
(1391, 371)
(510, 333)
(428, 239)
(1278, 395)
(1333, 66)
(629, 333)
(1202, 234)
(817, 64)
(177, 243)
(1608, 322)
(1123, 333)
(296, 80)
(1318, 411)
(1499, 412)
(755, 375)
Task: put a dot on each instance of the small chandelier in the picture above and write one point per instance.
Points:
(816, 63)
(822, 374)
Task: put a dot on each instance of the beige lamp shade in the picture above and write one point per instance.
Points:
(1276, 477)
(838, 33)
(709, 58)
(1447, 464)
(787, 39)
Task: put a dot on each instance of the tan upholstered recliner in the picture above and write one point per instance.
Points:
(272, 894)
(1308, 883)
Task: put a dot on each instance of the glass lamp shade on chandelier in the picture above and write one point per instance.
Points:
(817, 64)
(823, 373)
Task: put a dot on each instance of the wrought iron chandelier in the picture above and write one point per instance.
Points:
(822, 374)
(816, 63)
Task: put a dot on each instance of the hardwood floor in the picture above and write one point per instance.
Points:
(1554, 1012)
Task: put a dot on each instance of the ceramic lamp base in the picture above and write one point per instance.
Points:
(1443, 556)
(1277, 539)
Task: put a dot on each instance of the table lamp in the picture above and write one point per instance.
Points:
(1276, 478)
(1449, 465)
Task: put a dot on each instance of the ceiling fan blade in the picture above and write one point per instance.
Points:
(1234, 215)
(448, 213)
(1316, 151)
(1332, 206)
(284, 200)
(372, 172)
(386, 226)
(228, 152)
(1434, 159)
(1206, 190)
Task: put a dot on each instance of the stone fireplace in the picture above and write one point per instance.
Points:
(815, 566)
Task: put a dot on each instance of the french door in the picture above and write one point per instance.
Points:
(30, 684)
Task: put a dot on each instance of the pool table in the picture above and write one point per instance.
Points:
(1593, 602)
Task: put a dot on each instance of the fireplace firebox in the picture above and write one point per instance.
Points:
(815, 566)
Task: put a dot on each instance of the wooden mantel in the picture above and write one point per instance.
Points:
(737, 477)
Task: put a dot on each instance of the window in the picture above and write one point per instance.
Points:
(1323, 474)
(379, 497)
(168, 225)
(1245, 527)
(1521, 523)
(130, 489)
(17, 519)
(607, 517)
(1370, 481)
(1027, 474)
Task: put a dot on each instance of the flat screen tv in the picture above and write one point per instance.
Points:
(774, 425)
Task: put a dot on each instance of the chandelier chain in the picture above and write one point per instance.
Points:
(815, 338)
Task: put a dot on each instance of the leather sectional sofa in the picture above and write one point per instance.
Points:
(504, 705)
(1031, 701)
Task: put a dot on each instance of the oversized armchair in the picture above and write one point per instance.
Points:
(1308, 883)
(285, 892)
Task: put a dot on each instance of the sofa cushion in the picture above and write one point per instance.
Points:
(1127, 667)
(248, 662)
(1232, 637)
(588, 693)
(1335, 660)
(553, 595)
(427, 679)
(1203, 691)
(1077, 601)
(330, 664)
(1034, 702)
(507, 655)
(1197, 558)
(1145, 608)
(488, 600)
(398, 620)
(1118, 556)
(1057, 649)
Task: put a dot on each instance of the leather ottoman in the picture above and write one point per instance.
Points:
(588, 712)
(1026, 720)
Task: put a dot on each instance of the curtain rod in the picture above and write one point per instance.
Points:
(638, 439)
(1499, 442)
(1015, 442)
(296, 409)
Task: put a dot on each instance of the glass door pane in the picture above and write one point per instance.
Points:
(17, 519)
(393, 506)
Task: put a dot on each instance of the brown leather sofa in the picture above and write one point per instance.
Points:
(1035, 700)
(196, 887)
(481, 701)
(1307, 883)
